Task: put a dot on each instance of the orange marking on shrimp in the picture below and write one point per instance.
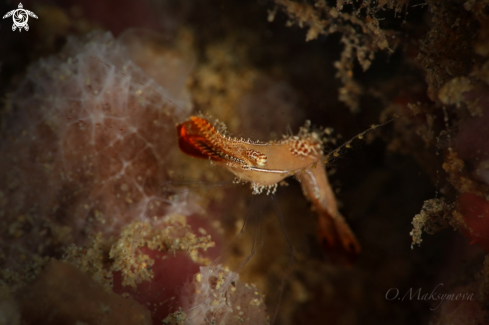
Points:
(199, 138)
(264, 165)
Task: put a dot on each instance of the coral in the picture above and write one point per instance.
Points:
(96, 133)
(167, 234)
(220, 93)
(448, 49)
(176, 318)
(228, 87)
(432, 219)
(361, 35)
(454, 59)
(455, 79)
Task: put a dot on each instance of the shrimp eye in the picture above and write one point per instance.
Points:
(257, 157)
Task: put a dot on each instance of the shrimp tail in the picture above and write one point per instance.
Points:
(336, 238)
(335, 235)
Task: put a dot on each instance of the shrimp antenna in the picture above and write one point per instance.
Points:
(278, 212)
(257, 219)
(346, 145)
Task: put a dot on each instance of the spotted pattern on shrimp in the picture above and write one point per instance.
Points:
(305, 147)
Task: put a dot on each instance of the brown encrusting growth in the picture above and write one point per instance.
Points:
(322, 19)
(102, 257)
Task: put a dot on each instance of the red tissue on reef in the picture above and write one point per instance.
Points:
(162, 294)
(475, 211)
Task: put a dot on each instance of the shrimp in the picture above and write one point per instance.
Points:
(265, 165)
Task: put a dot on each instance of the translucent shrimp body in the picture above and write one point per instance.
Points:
(264, 165)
